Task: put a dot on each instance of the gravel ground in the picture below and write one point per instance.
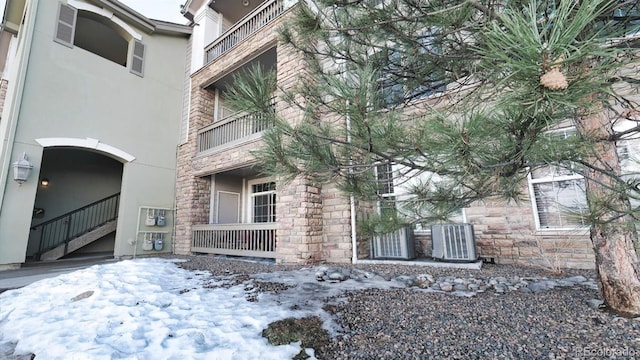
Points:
(409, 324)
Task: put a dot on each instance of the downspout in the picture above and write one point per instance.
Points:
(352, 201)
(354, 243)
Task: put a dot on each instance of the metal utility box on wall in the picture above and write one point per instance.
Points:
(154, 225)
(454, 242)
(394, 245)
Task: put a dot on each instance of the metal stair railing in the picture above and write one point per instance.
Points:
(66, 227)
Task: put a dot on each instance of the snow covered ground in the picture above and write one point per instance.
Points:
(153, 309)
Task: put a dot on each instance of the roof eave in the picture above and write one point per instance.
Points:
(166, 27)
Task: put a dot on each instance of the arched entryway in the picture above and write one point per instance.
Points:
(76, 204)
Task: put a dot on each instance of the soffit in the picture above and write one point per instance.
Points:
(13, 15)
(234, 10)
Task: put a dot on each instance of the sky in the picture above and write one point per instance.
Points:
(153, 309)
(168, 10)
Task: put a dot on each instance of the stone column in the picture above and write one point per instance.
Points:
(299, 217)
(337, 245)
(193, 194)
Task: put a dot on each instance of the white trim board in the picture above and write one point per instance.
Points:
(88, 143)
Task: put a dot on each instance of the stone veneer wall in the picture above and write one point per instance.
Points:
(364, 243)
(423, 244)
(193, 194)
(507, 234)
(313, 221)
(299, 218)
(193, 188)
(337, 247)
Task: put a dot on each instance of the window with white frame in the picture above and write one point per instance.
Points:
(263, 201)
(558, 194)
(393, 187)
(385, 189)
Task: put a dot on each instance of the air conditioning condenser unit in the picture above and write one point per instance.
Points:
(398, 244)
(453, 242)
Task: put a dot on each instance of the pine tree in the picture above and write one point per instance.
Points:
(464, 98)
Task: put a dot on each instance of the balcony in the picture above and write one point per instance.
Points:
(235, 129)
(244, 28)
(251, 239)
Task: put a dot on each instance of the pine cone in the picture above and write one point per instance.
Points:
(554, 80)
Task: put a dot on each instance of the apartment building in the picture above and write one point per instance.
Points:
(99, 129)
(225, 206)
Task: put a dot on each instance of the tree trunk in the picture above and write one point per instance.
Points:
(616, 262)
(613, 242)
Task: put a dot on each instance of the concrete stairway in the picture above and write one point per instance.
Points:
(80, 241)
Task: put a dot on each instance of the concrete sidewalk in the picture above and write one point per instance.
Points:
(31, 272)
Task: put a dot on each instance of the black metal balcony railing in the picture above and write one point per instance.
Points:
(244, 28)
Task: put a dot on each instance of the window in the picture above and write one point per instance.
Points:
(263, 202)
(627, 16)
(403, 74)
(385, 189)
(558, 194)
(394, 187)
(622, 148)
(388, 63)
(99, 35)
(222, 110)
(429, 82)
(560, 204)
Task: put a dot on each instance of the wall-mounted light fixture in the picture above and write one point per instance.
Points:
(22, 169)
(44, 182)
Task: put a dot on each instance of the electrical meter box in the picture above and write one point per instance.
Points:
(153, 228)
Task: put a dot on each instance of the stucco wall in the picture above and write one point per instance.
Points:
(72, 93)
